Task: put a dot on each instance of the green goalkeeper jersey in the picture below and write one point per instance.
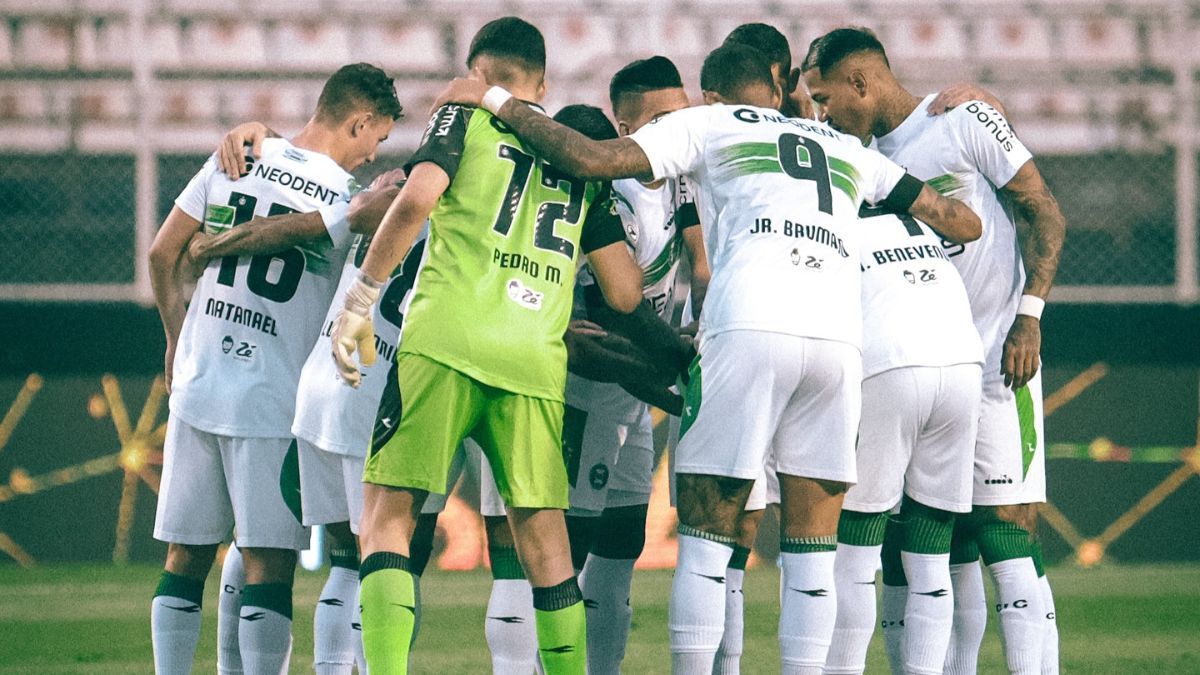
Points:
(494, 293)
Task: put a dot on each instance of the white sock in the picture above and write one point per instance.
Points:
(696, 618)
(929, 612)
(1022, 621)
(729, 655)
(605, 583)
(1050, 640)
(854, 575)
(970, 618)
(510, 629)
(264, 634)
(809, 611)
(229, 607)
(333, 636)
(175, 630)
(891, 610)
(360, 659)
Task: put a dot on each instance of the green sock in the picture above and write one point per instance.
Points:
(388, 600)
(857, 528)
(561, 628)
(926, 530)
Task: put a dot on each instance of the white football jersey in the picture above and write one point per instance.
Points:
(915, 309)
(778, 200)
(331, 414)
(654, 219)
(252, 320)
(969, 153)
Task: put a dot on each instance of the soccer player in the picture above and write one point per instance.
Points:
(778, 200)
(333, 421)
(972, 152)
(610, 488)
(774, 45)
(482, 351)
(233, 362)
(922, 370)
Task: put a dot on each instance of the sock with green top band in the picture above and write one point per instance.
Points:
(857, 528)
(505, 563)
(387, 595)
(689, 531)
(926, 529)
(175, 586)
(561, 628)
(999, 540)
(741, 555)
(275, 597)
(808, 544)
(344, 557)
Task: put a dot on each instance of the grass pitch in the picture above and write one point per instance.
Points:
(95, 619)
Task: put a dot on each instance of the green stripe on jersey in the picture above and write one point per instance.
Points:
(845, 185)
(740, 151)
(662, 265)
(845, 168)
(753, 165)
(944, 184)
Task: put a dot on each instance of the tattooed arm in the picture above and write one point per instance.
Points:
(952, 219)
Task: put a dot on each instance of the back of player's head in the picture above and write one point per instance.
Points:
(587, 120)
(641, 76)
(827, 51)
(766, 39)
(512, 40)
(358, 87)
(732, 67)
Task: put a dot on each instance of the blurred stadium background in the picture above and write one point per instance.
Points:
(107, 108)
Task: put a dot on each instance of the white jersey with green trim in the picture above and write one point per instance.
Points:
(778, 200)
(253, 319)
(653, 219)
(915, 308)
(331, 414)
(969, 153)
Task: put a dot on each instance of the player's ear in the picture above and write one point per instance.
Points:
(858, 80)
(711, 97)
(541, 90)
(360, 123)
(622, 128)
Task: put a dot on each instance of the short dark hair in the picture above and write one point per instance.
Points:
(643, 75)
(827, 51)
(587, 120)
(765, 38)
(510, 38)
(358, 86)
(730, 67)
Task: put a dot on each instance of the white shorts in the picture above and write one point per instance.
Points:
(615, 462)
(213, 484)
(330, 486)
(764, 393)
(1010, 449)
(917, 437)
(436, 503)
(766, 486)
(491, 504)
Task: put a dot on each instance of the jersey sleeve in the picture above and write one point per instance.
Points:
(686, 214)
(674, 143)
(602, 224)
(194, 197)
(880, 175)
(444, 140)
(337, 221)
(989, 141)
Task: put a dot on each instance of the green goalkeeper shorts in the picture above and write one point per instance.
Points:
(521, 436)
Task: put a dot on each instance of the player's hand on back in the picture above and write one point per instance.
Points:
(353, 330)
(1023, 345)
(957, 94)
(467, 91)
(231, 153)
(195, 257)
(388, 179)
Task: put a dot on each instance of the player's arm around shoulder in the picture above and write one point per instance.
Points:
(949, 217)
(169, 271)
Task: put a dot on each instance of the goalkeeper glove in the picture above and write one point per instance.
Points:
(353, 330)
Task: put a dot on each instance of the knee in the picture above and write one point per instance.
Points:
(190, 561)
(269, 565)
(747, 527)
(1024, 516)
(712, 504)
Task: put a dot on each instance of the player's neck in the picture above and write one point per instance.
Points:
(320, 139)
(893, 110)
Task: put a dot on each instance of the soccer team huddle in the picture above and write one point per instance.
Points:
(858, 349)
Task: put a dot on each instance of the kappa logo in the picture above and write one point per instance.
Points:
(190, 609)
(598, 476)
(507, 619)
